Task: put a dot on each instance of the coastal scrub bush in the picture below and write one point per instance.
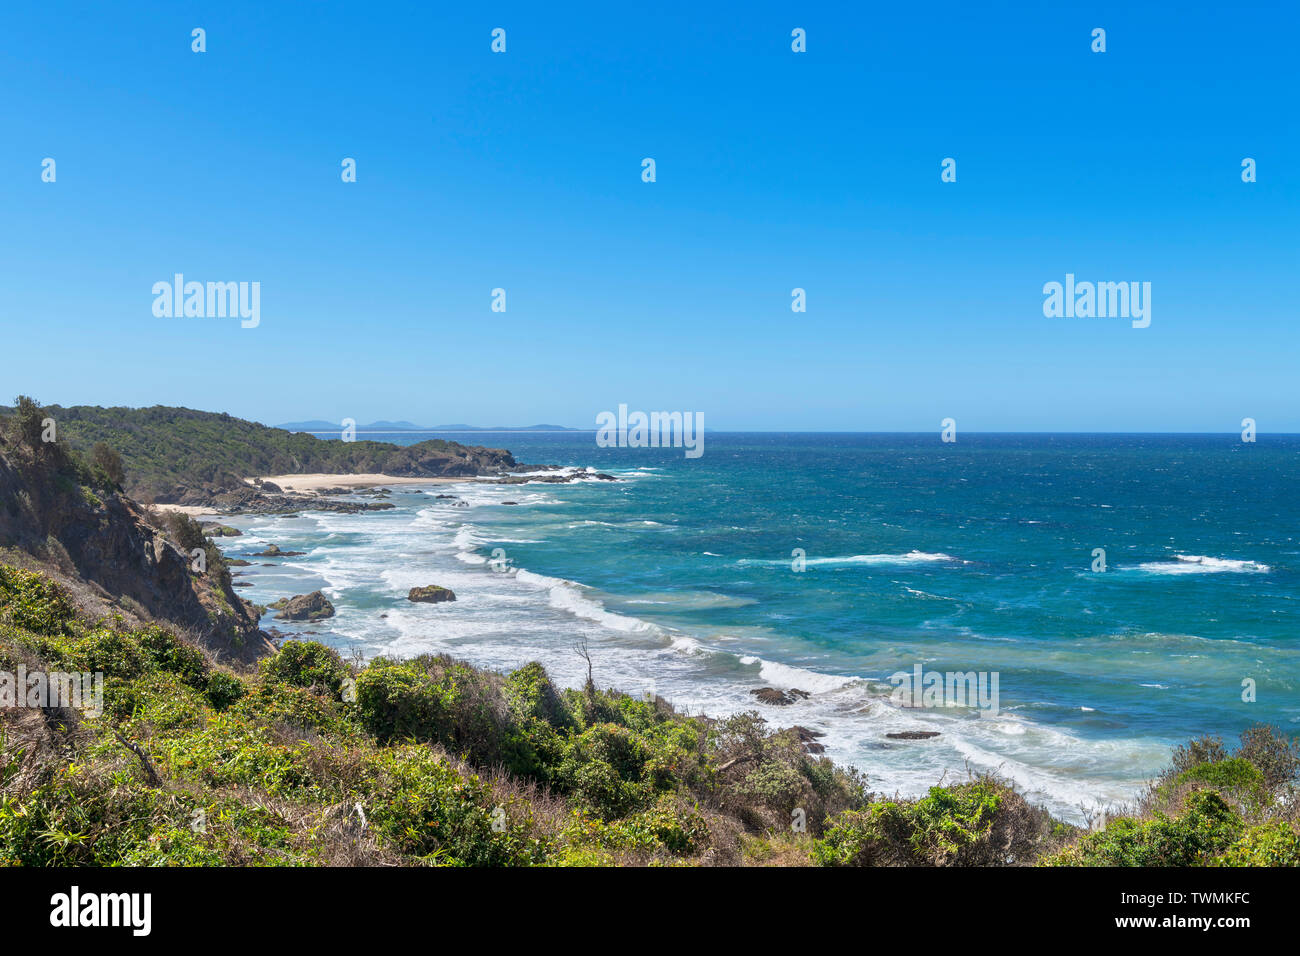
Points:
(1276, 756)
(530, 694)
(185, 531)
(396, 701)
(1207, 828)
(1270, 844)
(761, 777)
(982, 823)
(32, 601)
(307, 664)
(109, 462)
(667, 826)
(224, 689)
(424, 807)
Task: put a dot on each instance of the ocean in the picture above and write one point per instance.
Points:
(829, 562)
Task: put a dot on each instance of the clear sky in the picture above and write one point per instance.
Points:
(775, 170)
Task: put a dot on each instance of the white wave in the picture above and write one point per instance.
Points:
(1200, 564)
(785, 676)
(911, 557)
(574, 598)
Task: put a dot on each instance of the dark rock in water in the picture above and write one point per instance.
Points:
(510, 502)
(449, 497)
(214, 530)
(430, 594)
(273, 551)
(241, 584)
(809, 739)
(913, 735)
(460, 504)
(237, 562)
(770, 695)
(303, 607)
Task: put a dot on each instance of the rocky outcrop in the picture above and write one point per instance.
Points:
(430, 594)
(273, 551)
(214, 530)
(809, 739)
(118, 558)
(913, 735)
(770, 695)
(303, 607)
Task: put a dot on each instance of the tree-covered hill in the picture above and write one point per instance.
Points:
(167, 451)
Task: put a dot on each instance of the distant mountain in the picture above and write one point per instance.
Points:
(501, 428)
(317, 425)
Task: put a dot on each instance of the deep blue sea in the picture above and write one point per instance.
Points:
(972, 556)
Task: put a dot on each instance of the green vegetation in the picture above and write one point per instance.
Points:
(155, 452)
(311, 760)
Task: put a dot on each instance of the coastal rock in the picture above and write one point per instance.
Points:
(770, 695)
(431, 594)
(303, 607)
(913, 735)
(808, 738)
(271, 487)
(510, 502)
(273, 551)
(214, 530)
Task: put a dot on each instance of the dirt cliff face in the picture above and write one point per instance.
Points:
(107, 550)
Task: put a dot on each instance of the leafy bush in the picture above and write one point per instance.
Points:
(1205, 829)
(224, 689)
(1271, 844)
(307, 664)
(984, 823)
(32, 601)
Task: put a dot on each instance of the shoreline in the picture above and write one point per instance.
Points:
(315, 482)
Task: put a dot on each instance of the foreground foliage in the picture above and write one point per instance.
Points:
(310, 760)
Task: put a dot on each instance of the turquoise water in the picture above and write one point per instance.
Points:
(973, 556)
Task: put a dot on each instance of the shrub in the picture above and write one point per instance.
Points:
(1207, 828)
(307, 664)
(397, 701)
(530, 694)
(984, 823)
(1276, 756)
(34, 602)
(422, 806)
(185, 531)
(1272, 844)
(109, 462)
(224, 689)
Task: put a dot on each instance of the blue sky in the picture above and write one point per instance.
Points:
(775, 170)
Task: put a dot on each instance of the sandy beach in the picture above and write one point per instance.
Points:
(194, 511)
(315, 483)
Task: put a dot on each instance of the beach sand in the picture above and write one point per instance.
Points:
(192, 510)
(313, 484)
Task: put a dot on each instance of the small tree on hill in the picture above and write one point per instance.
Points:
(107, 458)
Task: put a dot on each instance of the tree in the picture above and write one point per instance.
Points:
(27, 417)
(106, 458)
